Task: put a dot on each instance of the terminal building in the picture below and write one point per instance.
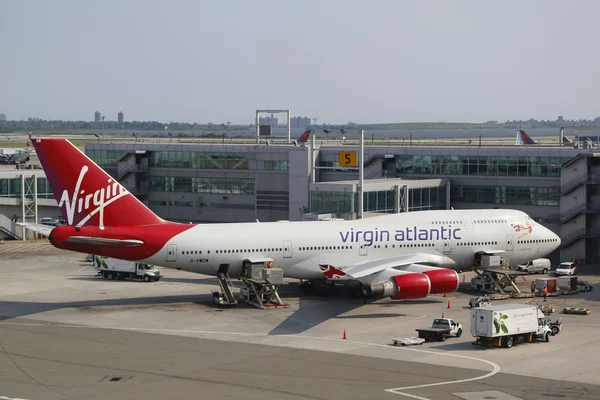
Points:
(209, 183)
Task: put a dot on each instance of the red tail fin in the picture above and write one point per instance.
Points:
(86, 194)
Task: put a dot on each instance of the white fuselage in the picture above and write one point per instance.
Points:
(452, 237)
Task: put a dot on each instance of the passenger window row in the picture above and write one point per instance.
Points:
(186, 252)
(324, 248)
(446, 222)
(476, 243)
(490, 221)
(536, 241)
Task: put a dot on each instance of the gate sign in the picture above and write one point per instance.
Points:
(348, 159)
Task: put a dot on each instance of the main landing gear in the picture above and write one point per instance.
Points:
(320, 287)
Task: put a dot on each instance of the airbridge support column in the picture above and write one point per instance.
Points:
(361, 174)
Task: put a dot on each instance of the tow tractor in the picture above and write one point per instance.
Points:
(555, 326)
(440, 329)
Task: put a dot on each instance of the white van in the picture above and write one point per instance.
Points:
(566, 268)
(539, 265)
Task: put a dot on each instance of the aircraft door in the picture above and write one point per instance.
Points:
(510, 243)
(447, 247)
(287, 249)
(171, 252)
(481, 324)
(467, 220)
(362, 248)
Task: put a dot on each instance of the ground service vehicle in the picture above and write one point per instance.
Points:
(440, 329)
(480, 301)
(566, 268)
(540, 265)
(507, 324)
(113, 268)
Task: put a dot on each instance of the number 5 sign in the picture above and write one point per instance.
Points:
(347, 159)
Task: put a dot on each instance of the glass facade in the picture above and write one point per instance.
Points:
(201, 205)
(276, 165)
(538, 196)
(198, 160)
(479, 165)
(335, 166)
(200, 185)
(105, 158)
(12, 187)
(379, 202)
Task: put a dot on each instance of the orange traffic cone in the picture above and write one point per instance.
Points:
(345, 337)
(442, 315)
(448, 303)
(444, 294)
(2, 241)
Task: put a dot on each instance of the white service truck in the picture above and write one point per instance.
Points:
(508, 324)
(539, 265)
(113, 268)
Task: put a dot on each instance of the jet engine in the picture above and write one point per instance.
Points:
(443, 280)
(402, 287)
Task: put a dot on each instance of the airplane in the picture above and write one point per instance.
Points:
(402, 256)
(523, 138)
(304, 137)
(566, 141)
(18, 157)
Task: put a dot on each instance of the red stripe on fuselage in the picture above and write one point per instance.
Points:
(154, 237)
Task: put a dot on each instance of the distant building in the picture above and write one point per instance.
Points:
(268, 121)
(2, 117)
(97, 116)
(560, 118)
(300, 122)
(120, 119)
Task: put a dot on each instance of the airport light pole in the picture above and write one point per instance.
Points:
(102, 118)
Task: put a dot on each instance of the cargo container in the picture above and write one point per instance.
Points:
(490, 261)
(507, 324)
(546, 283)
(567, 282)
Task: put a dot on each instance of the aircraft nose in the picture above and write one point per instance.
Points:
(558, 241)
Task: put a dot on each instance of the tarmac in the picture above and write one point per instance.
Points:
(65, 333)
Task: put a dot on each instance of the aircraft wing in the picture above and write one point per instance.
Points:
(38, 228)
(366, 268)
(98, 241)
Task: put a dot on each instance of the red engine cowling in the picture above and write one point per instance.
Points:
(443, 280)
(411, 286)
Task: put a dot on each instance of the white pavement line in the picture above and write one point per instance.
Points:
(11, 398)
(495, 367)
(494, 372)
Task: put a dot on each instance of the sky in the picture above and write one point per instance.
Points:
(339, 60)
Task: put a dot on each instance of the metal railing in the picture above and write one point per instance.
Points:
(583, 232)
(570, 238)
(130, 168)
(571, 212)
(10, 227)
(573, 183)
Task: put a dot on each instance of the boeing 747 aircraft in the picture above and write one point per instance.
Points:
(403, 256)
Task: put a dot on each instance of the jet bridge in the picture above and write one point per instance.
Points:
(493, 274)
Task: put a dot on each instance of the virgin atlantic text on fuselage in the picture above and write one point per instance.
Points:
(400, 235)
